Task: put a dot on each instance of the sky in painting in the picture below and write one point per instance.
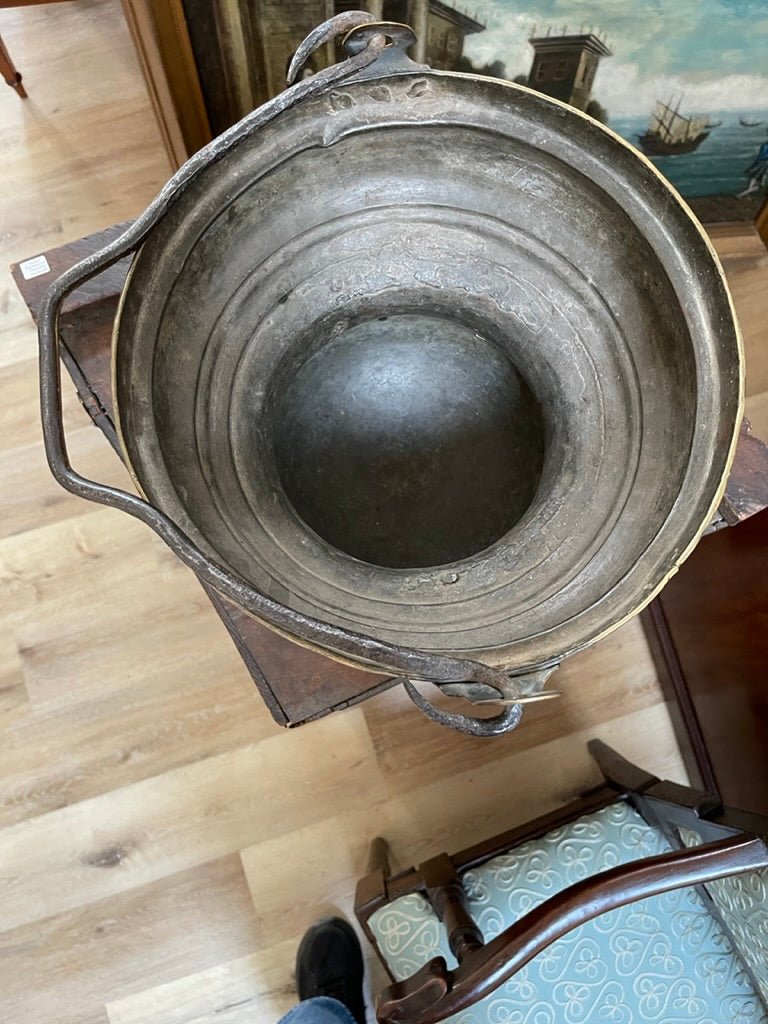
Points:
(715, 52)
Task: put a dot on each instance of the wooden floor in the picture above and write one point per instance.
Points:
(163, 843)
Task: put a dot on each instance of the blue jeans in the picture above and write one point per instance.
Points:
(320, 1010)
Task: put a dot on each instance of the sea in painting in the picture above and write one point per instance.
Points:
(718, 165)
(685, 81)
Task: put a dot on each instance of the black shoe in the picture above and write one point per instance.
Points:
(330, 963)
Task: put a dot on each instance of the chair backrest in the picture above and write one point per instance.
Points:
(410, 934)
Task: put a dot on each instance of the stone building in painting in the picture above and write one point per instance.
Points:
(564, 66)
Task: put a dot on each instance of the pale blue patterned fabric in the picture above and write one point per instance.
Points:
(663, 959)
(743, 904)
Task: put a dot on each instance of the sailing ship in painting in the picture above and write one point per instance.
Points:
(700, 117)
(670, 132)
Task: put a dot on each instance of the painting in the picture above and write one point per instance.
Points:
(685, 81)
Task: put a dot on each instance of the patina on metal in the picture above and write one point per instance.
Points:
(425, 370)
(408, 441)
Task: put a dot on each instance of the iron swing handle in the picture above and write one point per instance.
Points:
(402, 662)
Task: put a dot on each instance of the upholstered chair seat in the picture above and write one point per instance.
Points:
(664, 959)
(691, 954)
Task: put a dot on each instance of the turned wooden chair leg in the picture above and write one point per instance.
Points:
(9, 72)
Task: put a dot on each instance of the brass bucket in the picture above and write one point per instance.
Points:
(425, 370)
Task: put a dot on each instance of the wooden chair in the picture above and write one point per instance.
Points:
(8, 71)
(642, 901)
(7, 67)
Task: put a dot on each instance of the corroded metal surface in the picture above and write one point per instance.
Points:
(381, 192)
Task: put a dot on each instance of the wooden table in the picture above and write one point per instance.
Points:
(296, 684)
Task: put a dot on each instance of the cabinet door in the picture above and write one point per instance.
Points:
(711, 632)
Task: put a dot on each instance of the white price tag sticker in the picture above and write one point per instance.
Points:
(35, 267)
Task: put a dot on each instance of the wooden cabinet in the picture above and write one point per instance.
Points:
(709, 631)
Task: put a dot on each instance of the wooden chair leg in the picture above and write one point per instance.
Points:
(371, 890)
(378, 858)
(622, 774)
(447, 896)
(628, 777)
(9, 72)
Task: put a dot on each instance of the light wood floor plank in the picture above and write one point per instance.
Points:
(13, 693)
(53, 758)
(757, 411)
(745, 260)
(155, 828)
(63, 970)
(254, 989)
(27, 500)
(159, 618)
(19, 404)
